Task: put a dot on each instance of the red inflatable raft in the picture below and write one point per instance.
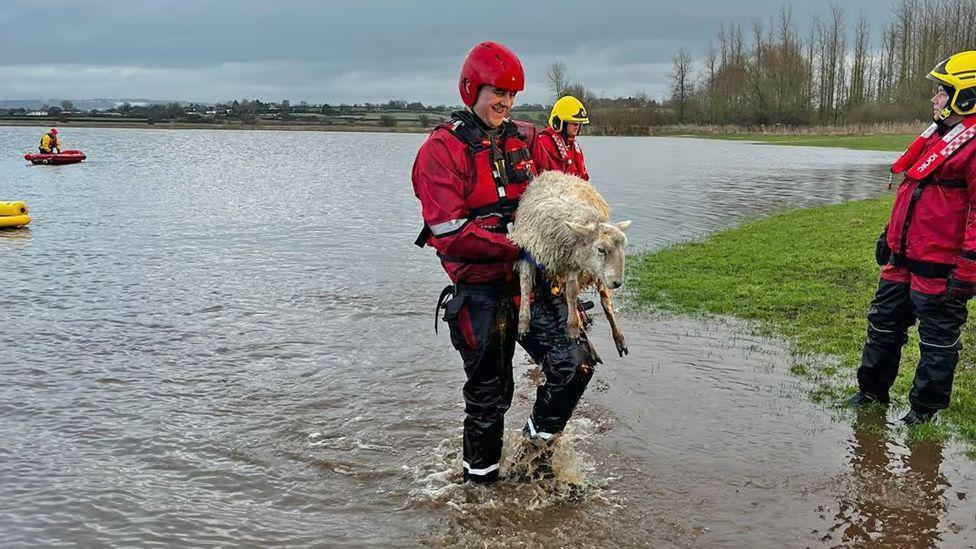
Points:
(64, 157)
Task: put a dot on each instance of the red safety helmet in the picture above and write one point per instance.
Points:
(54, 131)
(490, 63)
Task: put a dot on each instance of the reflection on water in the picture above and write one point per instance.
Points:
(897, 496)
(232, 345)
(16, 233)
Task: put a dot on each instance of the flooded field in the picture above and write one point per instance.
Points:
(224, 338)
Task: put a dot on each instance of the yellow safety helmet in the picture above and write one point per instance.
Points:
(957, 75)
(567, 109)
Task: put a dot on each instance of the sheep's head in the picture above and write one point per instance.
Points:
(604, 249)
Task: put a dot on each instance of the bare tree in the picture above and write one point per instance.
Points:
(859, 67)
(708, 95)
(558, 81)
(577, 90)
(681, 84)
(830, 39)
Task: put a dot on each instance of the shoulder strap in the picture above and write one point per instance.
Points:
(914, 150)
(951, 142)
(561, 145)
(526, 132)
(465, 128)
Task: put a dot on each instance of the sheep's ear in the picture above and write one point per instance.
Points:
(623, 225)
(581, 230)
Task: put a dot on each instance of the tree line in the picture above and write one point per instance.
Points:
(772, 72)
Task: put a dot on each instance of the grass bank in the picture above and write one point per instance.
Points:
(807, 276)
(876, 137)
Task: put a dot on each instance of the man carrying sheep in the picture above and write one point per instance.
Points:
(469, 175)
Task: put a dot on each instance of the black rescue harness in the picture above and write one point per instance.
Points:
(509, 165)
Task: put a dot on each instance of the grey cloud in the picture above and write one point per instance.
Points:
(349, 51)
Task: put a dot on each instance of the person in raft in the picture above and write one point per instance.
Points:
(50, 143)
(928, 252)
(557, 148)
(469, 175)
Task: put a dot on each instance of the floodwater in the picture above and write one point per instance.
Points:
(225, 339)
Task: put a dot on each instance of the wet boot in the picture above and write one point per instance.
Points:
(918, 417)
(533, 459)
(540, 467)
(862, 398)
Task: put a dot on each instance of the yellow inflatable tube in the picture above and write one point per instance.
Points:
(13, 214)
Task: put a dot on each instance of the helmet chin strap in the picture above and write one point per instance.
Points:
(944, 114)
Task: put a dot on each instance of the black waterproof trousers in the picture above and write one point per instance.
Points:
(940, 318)
(483, 320)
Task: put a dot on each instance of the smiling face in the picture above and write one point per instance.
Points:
(493, 105)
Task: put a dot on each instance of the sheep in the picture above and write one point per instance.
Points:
(564, 224)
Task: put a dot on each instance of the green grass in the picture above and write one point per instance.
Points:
(878, 142)
(807, 276)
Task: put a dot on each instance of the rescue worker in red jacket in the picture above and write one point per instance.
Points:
(557, 148)
(469, 175)
(928, 251)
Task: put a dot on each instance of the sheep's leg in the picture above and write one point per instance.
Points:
(526, 271)
(607, 304)
(572, 291)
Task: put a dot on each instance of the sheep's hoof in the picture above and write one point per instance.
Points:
(573, 331)
(621, 345)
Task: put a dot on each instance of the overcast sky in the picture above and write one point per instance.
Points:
(354, 51)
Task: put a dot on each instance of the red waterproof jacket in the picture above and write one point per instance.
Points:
(932, 228)
(552, 152)
(468, 189)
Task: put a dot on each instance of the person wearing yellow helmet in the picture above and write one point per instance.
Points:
(927, 251)
(557, 149)
(956, 79)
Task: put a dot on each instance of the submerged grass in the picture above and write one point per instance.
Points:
(807, 276)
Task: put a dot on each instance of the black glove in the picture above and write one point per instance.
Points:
(882, 252)
(960, 289)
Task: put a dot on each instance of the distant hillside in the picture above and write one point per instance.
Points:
(81, 104)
